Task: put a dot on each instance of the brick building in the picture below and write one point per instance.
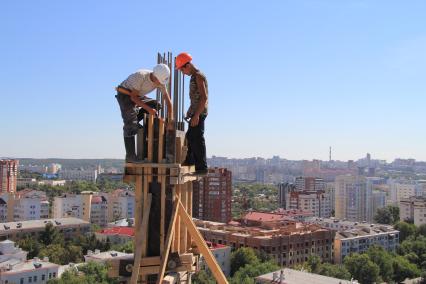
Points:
(288, 244)
(212, 196)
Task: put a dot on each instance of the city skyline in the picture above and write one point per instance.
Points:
(221, 156)
(287, 79)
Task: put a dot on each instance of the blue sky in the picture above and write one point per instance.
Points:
(287, 78)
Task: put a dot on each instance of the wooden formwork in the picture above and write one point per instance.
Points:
(166, 238)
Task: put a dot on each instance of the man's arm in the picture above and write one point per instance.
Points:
(203, 99)
(134, 96)
(167, 100)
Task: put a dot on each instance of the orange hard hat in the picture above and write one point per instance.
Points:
(182, 59)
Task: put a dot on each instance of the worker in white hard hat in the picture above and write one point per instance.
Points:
(131, 96)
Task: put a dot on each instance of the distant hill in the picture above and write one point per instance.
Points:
(74, 163)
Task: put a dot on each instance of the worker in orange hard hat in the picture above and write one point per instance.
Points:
(197, 113)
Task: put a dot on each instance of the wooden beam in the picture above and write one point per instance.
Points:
(176, 242)
(140, 144)
(189, 211)
(202, 246)
(139, 238)
(170, 235)
(182, 232)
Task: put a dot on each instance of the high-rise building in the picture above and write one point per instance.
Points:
(403, 189)
(353, 198)
(318, 202)
(212, 196)
(284, 190)
(8, 175)
(309, 183)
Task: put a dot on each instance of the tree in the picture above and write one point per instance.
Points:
(405, 230)
(362, 268)
(404, 269)
(314, 263)
(336, 271)
(383, 259)
(421, 230)
(96, 272)
(383, 216)
(387, 215)
(395, 213)
(50, 235)
(203, 277)
(32, 246)
(247, 273)
(262, 256)
(56, 254)
(90, 273)
(414, 245)
(242, 257)
(127, 247)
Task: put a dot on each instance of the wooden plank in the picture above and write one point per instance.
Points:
(150, 137)
(160, 140)
(140, 237)
(150, 260)
(170, 235)
(163, 212)
(189, 211)
(145, 204)
(183, 231)
(176, 242)
(162, 172)
(140, 145)
(205, 251)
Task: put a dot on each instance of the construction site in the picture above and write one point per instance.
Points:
(168, 246)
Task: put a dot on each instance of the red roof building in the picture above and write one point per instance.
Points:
(116, 235)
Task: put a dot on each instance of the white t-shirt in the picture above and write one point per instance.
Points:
(140, 81)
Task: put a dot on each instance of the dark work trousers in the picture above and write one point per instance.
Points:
(131, 114)
(197, 145)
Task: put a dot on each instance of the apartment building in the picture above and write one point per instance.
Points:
(318, 202)
(121, 204)
(27, 204)
(8, 175)
(353, 198)
(15, 268)
(360, 238)
(413, 208)
(309, 183)
(288, 244)
(403, 189)
(212, 196)
(97, 208)
(69, 227)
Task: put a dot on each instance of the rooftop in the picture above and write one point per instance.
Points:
(124, 231)
(292, 276)
(29, 265)
(38, 224)
(107, 255)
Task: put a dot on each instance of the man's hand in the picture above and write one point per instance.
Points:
(152, 111)
(195, 120)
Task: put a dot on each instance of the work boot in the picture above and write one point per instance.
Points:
(129, 144)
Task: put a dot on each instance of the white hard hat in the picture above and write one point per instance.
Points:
(162, 73)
